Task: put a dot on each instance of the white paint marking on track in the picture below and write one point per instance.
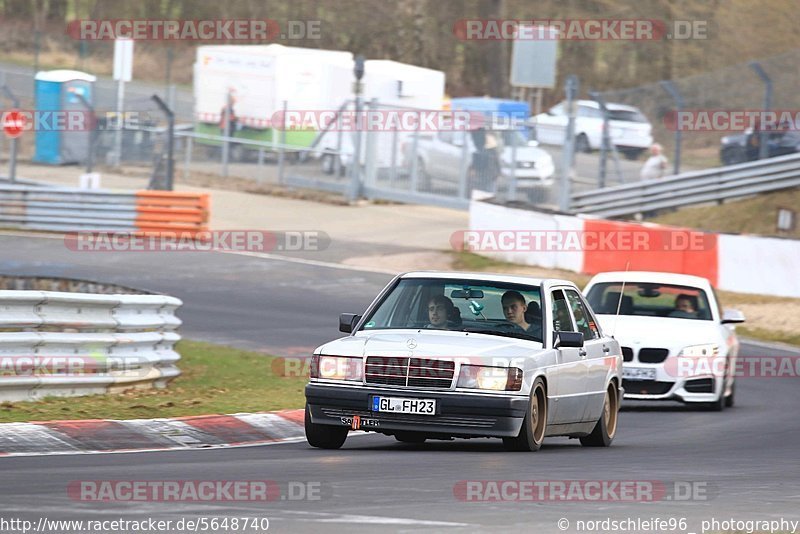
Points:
(371, 519)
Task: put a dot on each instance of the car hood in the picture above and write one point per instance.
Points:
(526, 153)
(478, 348)
(659, 332)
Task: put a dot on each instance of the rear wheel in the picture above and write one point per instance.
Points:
(606, 427)
(531, 435)
(582, 144)
(324, 436)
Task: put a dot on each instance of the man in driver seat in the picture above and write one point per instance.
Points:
(514, 309)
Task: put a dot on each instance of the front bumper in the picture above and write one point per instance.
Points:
(689, 390)
(457, 415)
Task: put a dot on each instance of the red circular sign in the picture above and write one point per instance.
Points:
(13, 123)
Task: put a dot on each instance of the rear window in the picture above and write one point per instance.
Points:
(648, 299)
(625, 115)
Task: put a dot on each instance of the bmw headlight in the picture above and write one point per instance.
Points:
(336, 367)
(700, 351)
(491, 378)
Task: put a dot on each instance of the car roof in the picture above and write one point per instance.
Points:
(609, 105)
(489, 277)
(651, 277)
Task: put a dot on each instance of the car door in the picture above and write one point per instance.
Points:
(550, 126)
(444, 157)
(567, 386)
(596, 349)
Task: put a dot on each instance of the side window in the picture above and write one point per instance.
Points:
(446, 136)
(562, 321)
(584, 321)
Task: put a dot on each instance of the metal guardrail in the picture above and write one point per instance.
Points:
(65, 209)
(68, 344)
(696, 187)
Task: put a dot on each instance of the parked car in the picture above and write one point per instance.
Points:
(745, 146)
(677, 342)
(440, 156)
(441, 355)
(631, 132)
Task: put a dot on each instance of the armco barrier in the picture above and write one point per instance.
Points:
(71, 209)
(66, 344)
(745, 264)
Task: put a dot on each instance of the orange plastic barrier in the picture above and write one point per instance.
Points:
(652, 248)
(168, 211)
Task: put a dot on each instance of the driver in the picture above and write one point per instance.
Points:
(514, 309)
(442, 313)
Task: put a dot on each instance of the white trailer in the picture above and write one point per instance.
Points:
(260, 78)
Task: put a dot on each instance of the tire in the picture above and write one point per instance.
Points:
(606, 428)
(534, 427)
(733, 155)
(730, 399)
(632, 155)
(328, 164)
(582, 144)
(719, 404)
(324, 436)
(409, 437)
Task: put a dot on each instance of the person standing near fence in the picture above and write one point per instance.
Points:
(656, 165)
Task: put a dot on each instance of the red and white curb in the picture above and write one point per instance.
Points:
(109, 435)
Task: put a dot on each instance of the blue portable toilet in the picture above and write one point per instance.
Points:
(55, 90)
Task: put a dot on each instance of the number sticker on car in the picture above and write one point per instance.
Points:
(404, 405)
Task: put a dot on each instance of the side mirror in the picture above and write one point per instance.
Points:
(568, 340)
(348, 321)
(732, 317)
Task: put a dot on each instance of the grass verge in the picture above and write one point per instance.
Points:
(215, 379)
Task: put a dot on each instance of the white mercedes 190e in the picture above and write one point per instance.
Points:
(676, 341)
(446, 355)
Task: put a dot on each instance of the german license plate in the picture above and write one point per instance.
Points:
(639, 373)
(403, 405)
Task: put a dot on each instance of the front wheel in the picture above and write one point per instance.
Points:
(582, 144)
(606, 427)
(324, 436)
(531, 435)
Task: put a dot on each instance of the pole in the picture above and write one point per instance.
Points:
(170, 140)
(678, 98)
(355, 170)
(282, 149)
(568, 154)
(12, 159)
(606, 143)
(120, 121)
(763, 148)
(226, 132)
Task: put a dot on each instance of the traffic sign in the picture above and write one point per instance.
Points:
(13, 123)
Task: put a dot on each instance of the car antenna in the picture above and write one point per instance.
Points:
(619, 302)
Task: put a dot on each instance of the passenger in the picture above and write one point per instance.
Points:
(684, 307)
(442, 313)
(514, 309)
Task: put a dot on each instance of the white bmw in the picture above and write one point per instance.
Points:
(677, 343)
(444, 355)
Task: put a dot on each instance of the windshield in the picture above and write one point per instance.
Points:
(514, 137)
(495, 308)
(648, 299)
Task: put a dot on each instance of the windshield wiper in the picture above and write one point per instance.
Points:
(501, 333)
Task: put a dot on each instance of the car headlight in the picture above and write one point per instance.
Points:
(700, 351)
(336, 367)
(492, 378)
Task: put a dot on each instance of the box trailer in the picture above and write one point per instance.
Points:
(260, 78)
